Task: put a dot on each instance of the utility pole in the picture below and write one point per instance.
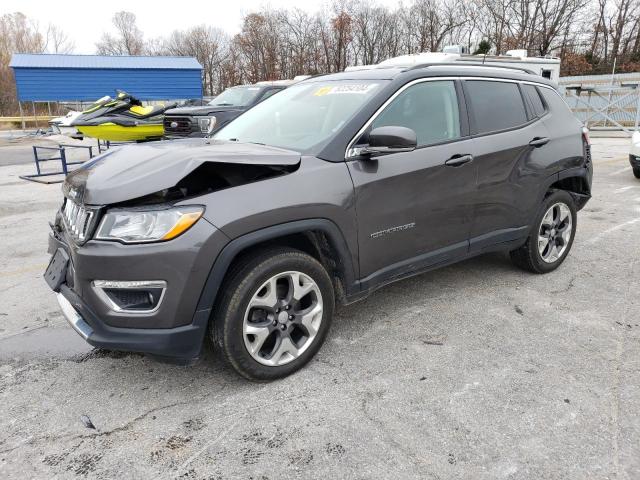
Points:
(21, 114)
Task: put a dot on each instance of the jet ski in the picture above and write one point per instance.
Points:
(122, 119)
(62, 125)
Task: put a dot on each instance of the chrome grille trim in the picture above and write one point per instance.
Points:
(78, 220)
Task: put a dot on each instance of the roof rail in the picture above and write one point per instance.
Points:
(469, 64)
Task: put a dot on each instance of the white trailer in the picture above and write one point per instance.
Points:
(547, 67)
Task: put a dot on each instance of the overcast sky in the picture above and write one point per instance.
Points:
(85, 22)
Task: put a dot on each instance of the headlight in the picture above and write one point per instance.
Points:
(146, 225)
(207, 124)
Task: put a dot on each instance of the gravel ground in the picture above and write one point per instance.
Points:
(475, 371)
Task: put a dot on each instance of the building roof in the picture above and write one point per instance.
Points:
(45, 60)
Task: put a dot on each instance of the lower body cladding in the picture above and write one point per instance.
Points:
(140, 298)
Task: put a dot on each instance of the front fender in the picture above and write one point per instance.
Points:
(239, 244)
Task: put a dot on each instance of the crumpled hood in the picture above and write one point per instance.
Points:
(133, 171)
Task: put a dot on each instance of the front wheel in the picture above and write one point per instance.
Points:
(551, 237)
(636, 172)
(275, 312)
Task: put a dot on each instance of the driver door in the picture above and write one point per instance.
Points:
(414, 209)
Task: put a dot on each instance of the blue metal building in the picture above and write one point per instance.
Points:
(53, 77)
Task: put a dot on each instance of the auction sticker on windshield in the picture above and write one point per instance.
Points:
(345, 88)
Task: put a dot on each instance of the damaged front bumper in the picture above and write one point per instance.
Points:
(173, 331)
(177, 345)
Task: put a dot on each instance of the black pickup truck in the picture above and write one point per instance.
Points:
(185, 122)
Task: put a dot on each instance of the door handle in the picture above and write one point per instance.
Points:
(459, 160)
(539, 141)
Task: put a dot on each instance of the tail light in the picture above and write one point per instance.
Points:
(586, 145)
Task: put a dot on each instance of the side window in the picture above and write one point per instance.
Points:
(555, 102)
(534, 98)
(428, 108)
(495, 105)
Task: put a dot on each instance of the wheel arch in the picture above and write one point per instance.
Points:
(320, 237)
(575, 181)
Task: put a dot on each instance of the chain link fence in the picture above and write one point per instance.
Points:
(604, 102)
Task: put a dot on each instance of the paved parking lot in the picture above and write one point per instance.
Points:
(475, 371)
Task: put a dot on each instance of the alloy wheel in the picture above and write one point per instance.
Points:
(554, 234)
(283, 318)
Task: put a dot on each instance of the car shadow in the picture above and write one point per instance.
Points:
(349, 322)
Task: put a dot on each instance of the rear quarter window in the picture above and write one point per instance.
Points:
(534, 98)
(554, 101)
(495, 106)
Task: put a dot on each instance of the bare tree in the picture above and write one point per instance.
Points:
(18, 34)
(259, 42)
(58, 41)
(589, 35)
(128, 39)
(208, 45)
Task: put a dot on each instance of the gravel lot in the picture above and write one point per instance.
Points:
(475, 371)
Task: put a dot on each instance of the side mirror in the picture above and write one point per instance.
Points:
(390, 139)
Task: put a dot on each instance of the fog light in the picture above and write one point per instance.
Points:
(139, 296)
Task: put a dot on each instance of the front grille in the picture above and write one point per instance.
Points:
(77, 219)
(183, 126)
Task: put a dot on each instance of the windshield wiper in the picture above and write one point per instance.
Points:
(223, 104)
(237, 140)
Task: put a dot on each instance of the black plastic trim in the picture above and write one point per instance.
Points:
(180, 344)
(413, 266)
(237, 245)
(489, 241)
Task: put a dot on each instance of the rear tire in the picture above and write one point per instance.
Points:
(636, 172)
(274, 313)
(551, 237)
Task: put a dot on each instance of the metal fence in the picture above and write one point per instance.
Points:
(605, 101)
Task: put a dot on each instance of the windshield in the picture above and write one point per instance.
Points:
(236, 97)
(303, 116)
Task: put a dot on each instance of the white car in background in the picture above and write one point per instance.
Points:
(634, 153)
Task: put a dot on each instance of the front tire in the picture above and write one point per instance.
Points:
(551, 238)
(636, 172)
(275, 311)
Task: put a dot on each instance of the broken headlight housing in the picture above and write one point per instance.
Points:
(144, 225)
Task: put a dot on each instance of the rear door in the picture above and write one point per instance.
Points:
(414, 208)
(510, 155)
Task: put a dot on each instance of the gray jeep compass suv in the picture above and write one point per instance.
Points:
(317, 196)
